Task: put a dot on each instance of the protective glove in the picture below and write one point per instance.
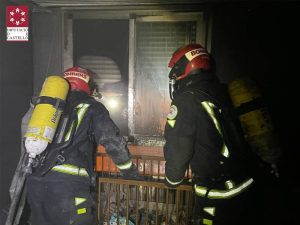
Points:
(131, 173)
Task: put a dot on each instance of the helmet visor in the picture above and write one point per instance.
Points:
(179, 68)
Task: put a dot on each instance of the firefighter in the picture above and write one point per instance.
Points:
(201, 132)
(60, 189)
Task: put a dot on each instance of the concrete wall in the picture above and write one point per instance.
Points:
(23, 68)
(16, 73)
(47, 45)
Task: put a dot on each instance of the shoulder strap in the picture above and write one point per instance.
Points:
(202, 93)
(55, 153)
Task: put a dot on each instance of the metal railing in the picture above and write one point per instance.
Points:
(150, 166)
(141, 202)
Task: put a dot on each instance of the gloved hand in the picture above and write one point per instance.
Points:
(131, 173)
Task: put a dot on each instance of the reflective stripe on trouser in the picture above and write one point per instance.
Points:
(71, 169)
(61, 202)
(223, 194)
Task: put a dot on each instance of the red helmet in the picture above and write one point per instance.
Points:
(188, 58)
(79, 79)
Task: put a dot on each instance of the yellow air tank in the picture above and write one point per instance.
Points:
(46, 114)
(255, 119)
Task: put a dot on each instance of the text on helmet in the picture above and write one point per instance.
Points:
(195, 52)
(79, 75)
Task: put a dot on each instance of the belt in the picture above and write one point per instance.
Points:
(71, 169)
(231, 191)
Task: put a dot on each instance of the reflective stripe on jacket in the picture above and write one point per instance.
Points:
(195, 136)
(232, 190)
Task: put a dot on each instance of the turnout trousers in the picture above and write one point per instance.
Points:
(60, 199)
(243, 209)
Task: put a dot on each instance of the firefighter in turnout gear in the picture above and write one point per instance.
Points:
(201, 132)
(61, 187)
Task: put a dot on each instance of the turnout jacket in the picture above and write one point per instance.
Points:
(88, 126)
(202, 132)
